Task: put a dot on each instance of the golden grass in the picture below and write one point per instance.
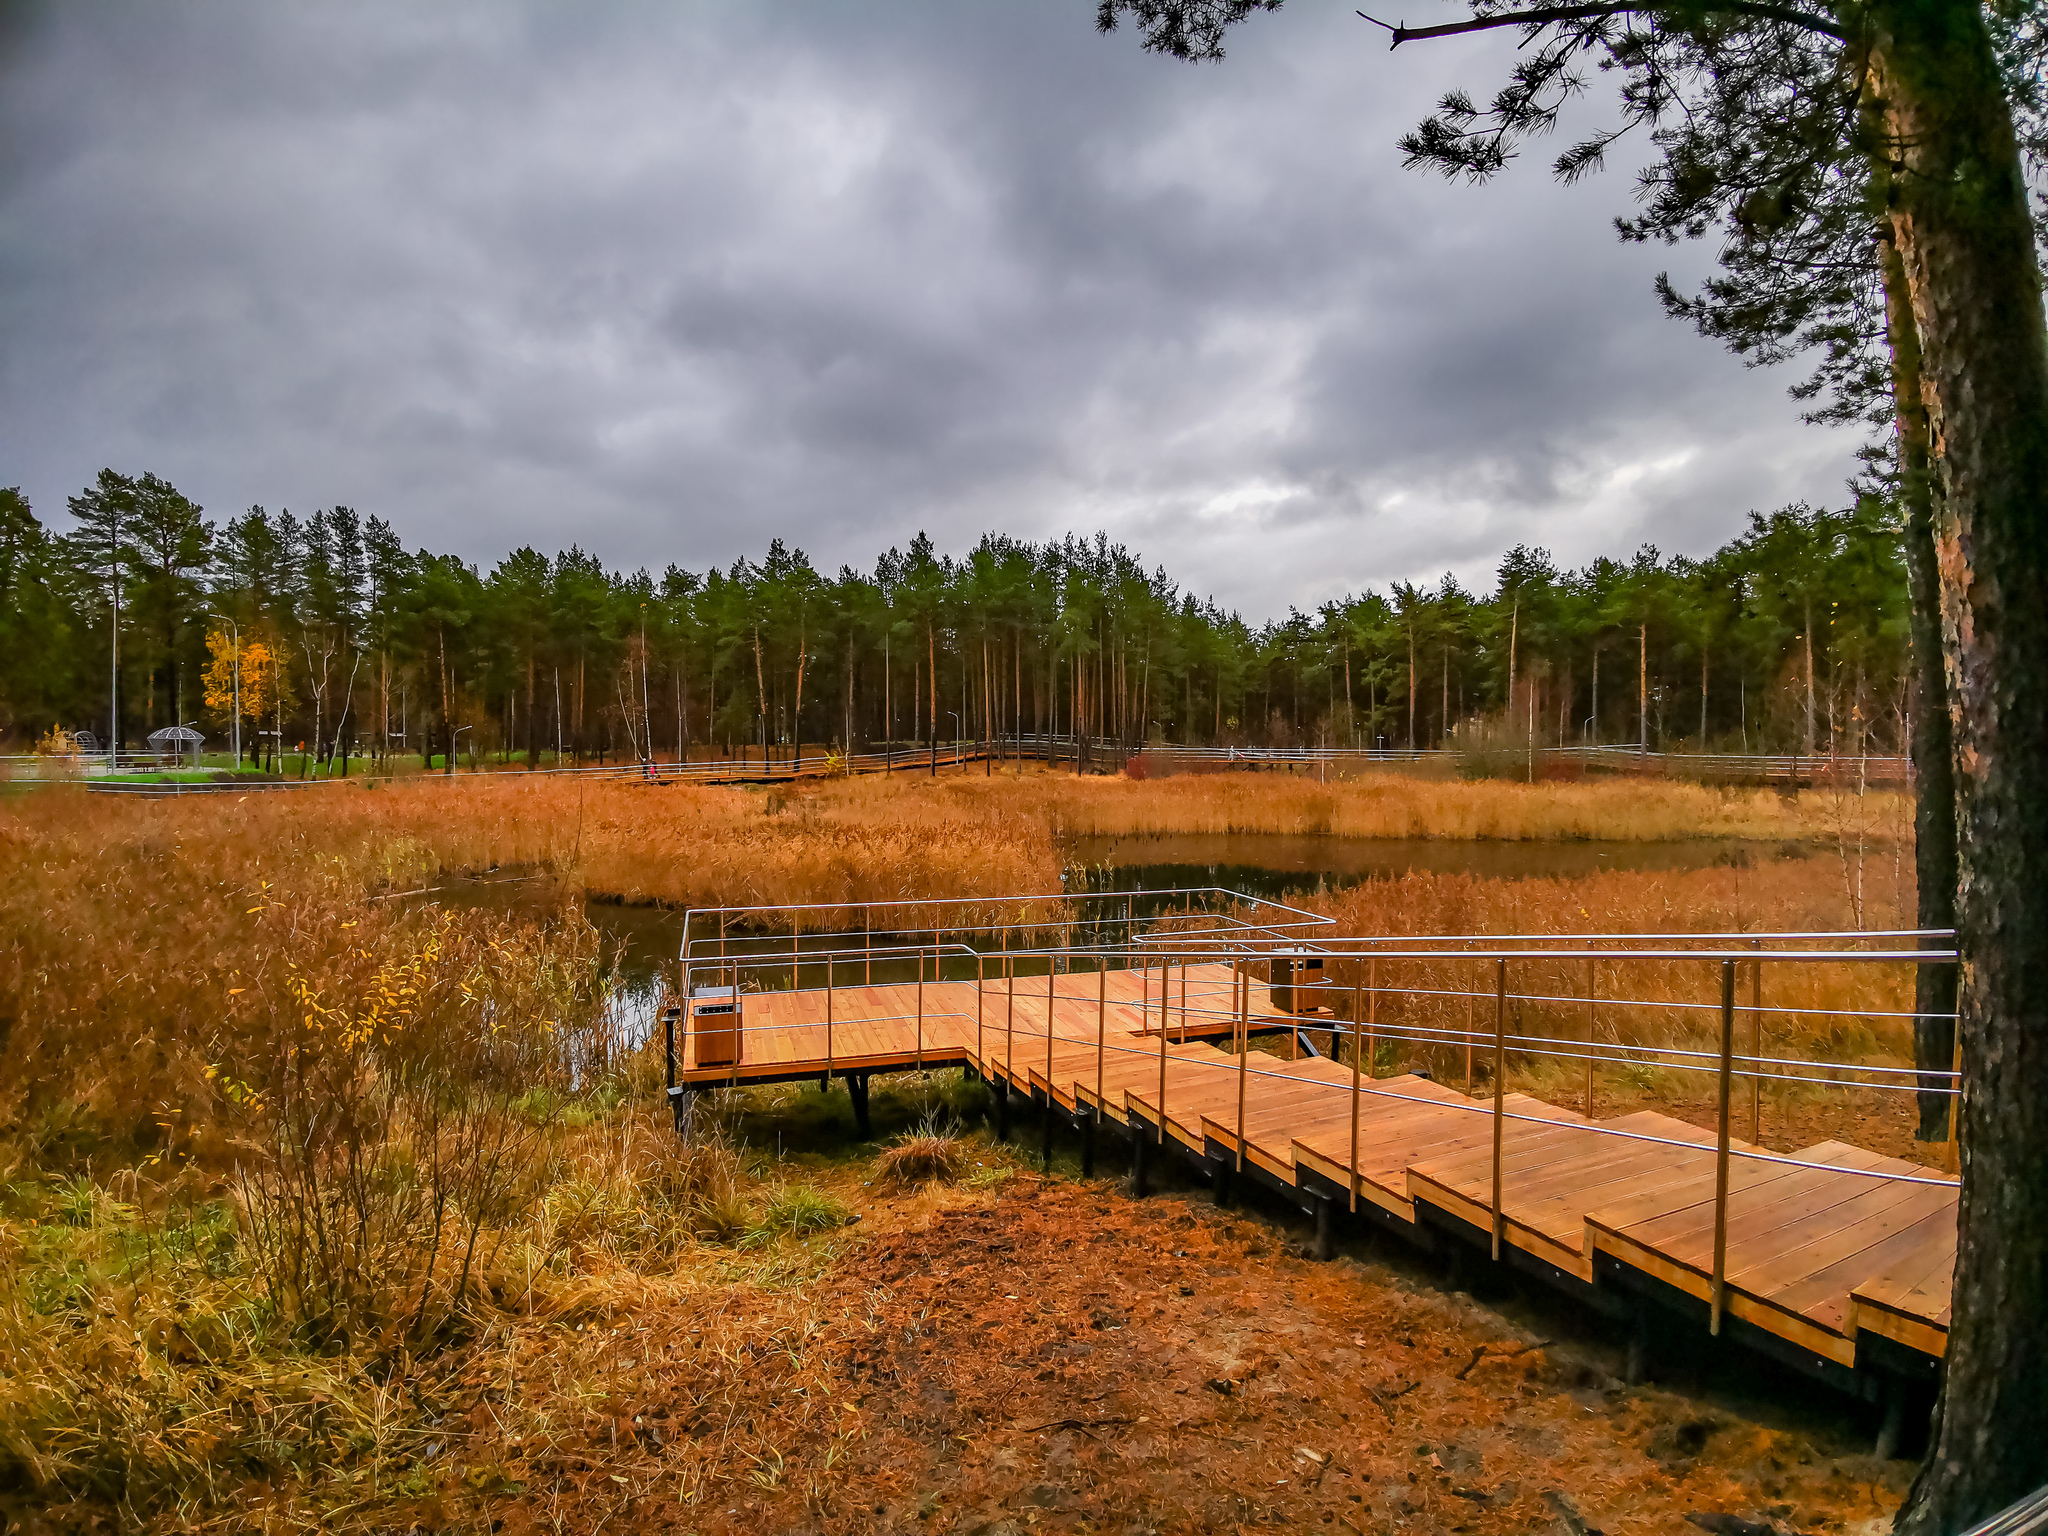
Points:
(1394, 805)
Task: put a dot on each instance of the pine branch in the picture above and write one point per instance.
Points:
(1545, 15)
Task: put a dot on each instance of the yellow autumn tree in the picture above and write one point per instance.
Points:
(260, 675)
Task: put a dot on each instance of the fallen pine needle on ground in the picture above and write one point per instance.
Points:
(1054, 1356)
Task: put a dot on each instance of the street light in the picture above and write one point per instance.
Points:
(114, 646)
(646, 710)
(954, 714)
(451, 746)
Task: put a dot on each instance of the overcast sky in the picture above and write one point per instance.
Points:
(667, 280)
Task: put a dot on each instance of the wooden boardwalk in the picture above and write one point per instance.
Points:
(1838, 1263)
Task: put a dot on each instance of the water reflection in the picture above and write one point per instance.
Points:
(1277, 866)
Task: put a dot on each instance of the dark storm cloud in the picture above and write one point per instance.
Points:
(667, 281)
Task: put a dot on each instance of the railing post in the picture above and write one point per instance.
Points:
(1052, 980)
(1471, 1024)
(920, 1010)
(1372, 1013)
(1721, 1150)
(668, 1024)
(1357, 1088)
(1102, 1033)
(980, 994)
(1162, 1061)
(1756, 1046)
(1244, 1053)
(1592, 992)
(1500, 1077)
(828, 1018)
(1144, 993)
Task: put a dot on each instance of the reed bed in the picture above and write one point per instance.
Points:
(1399, 805)
(274, 1151)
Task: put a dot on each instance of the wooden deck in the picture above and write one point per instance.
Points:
(1823, 1259)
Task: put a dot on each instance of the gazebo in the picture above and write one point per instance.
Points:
(173, 742)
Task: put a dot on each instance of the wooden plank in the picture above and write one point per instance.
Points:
(1792, 1259)
(1909, 1303)
(1823, 1293)
(1919, 1285)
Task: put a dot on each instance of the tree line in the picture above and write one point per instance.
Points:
(327, 639)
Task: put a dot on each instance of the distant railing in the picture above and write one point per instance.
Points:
(1808, 767)
(785, 764)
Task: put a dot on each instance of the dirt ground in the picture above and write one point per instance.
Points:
(1052, 1355)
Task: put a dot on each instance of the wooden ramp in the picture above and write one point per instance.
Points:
(1824, 1259)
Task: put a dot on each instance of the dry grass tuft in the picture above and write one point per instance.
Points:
(931, 1154)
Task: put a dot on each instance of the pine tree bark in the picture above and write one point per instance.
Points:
(1960, 221)
(1934, 807)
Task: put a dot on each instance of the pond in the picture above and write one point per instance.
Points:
(1277, 865)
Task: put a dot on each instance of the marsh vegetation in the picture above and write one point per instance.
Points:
(297, 1170)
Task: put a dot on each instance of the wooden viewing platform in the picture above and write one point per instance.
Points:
(1842, 1270)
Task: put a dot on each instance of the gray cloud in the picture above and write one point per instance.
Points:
(667, 281)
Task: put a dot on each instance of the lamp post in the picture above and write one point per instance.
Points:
(646, 712)
(451, 745)
(954, 715)
(114, 637)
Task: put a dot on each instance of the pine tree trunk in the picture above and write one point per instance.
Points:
(1934, 808)
(1960, 219)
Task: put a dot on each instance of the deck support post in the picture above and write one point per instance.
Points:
(1001, 1085)
(1140, 1187)
(1219, 1178)
(1326, 1248)
(1637, 1368)
(1045, 1134)
(857, 1090)
(1892, 1427)
(1087, 1144)
(1720, 1281)
(681, 1101)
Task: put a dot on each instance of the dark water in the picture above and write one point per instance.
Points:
(1277, 866)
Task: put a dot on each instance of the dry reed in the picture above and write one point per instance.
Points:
(348, 1135)
(1397, 805)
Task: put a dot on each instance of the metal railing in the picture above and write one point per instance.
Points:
(785, 763)
(1671, 981)
(1809, 768)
